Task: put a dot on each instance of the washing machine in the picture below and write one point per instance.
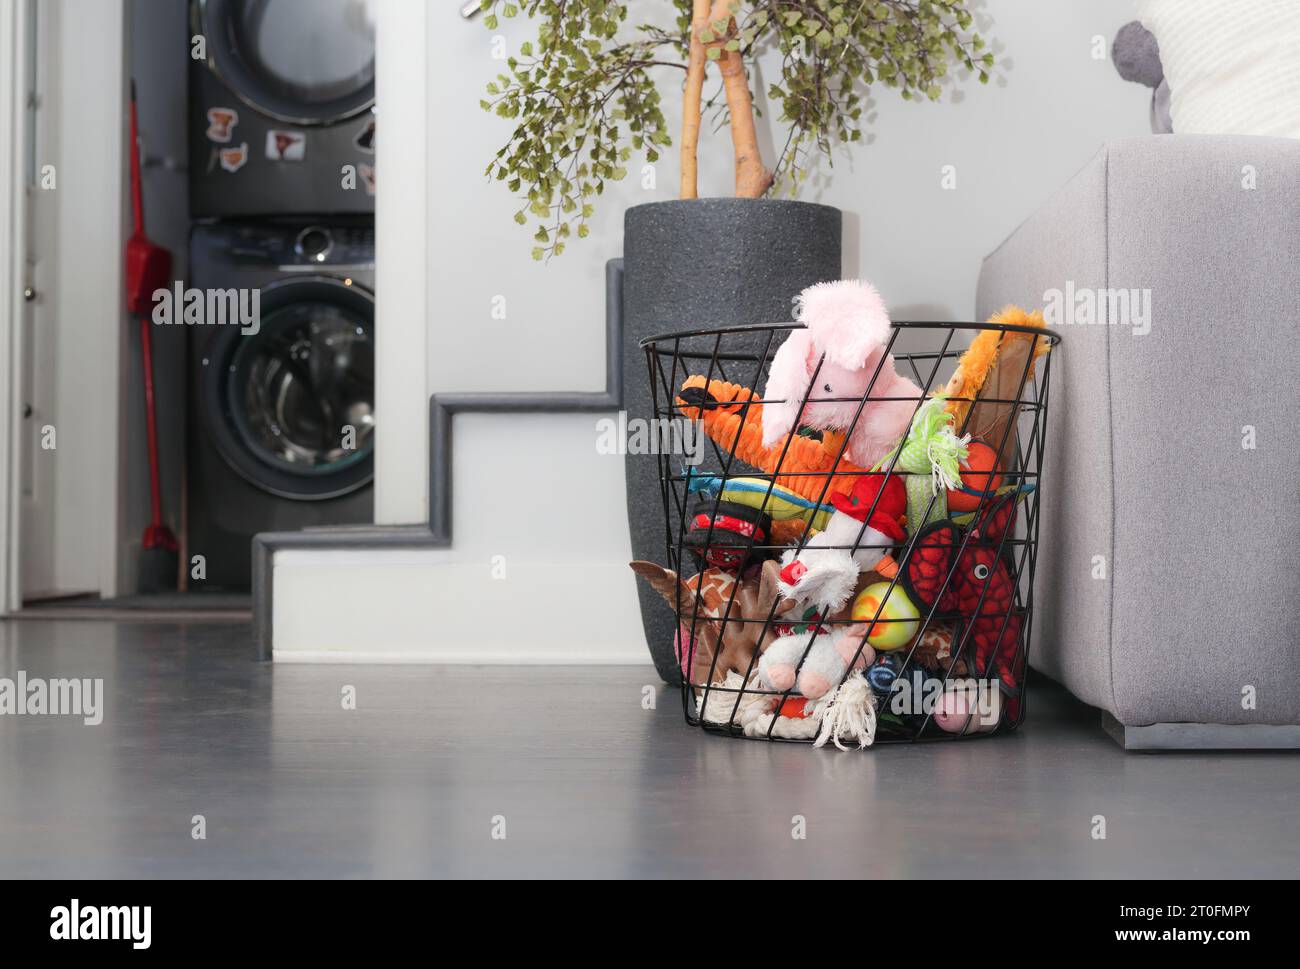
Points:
(281, 425)
(281, 103)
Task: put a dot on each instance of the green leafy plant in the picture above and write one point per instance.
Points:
(583, 97)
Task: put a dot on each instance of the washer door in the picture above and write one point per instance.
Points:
(291, 408)
(307, 62)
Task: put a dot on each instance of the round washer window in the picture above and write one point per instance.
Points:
(291, 407)
(303, 61)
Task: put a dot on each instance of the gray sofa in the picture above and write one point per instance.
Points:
(1193, 607)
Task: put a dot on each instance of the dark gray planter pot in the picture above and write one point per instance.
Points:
(693, 264)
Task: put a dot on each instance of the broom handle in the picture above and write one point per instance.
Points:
(151, 422)
(137, 199)
(146, 338)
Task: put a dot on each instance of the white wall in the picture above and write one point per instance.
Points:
(538, 572)
(402, 283)
(1012, 142)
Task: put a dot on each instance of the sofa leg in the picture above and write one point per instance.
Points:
(1157, 737)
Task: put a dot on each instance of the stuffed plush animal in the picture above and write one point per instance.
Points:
(781, 503)
(829, 654)
(821, 373)
(732, 417)
(824, 575)
(979, 587)
(728, 535)
(884, 499)
(994, 369)
(819, 627)
(821, 579)
(735, 641)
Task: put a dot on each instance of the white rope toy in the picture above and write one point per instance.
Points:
(847, 713)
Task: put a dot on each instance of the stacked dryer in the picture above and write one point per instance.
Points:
(282, 148)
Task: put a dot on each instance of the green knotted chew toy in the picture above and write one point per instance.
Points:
(931, 455)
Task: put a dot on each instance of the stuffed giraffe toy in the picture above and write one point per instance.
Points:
(734, 635)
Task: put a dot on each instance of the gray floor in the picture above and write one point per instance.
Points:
(586, 780)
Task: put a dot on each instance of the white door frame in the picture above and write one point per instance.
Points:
(83, 61)
(13, 216)
(402, 227)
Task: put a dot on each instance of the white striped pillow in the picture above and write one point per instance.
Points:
(1233, 66)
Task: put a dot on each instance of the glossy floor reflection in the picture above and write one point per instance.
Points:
(412, 781)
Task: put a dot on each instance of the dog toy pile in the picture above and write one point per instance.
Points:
(855, 566)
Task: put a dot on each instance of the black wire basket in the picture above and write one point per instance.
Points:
(934, 645)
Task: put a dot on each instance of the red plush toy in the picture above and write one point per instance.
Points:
(995, 630)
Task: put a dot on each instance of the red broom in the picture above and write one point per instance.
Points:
(148, 268)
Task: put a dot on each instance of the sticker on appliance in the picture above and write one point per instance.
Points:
(233, 159)
(286, 145)
(367, 177)
(365, 139)
(221, 123)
